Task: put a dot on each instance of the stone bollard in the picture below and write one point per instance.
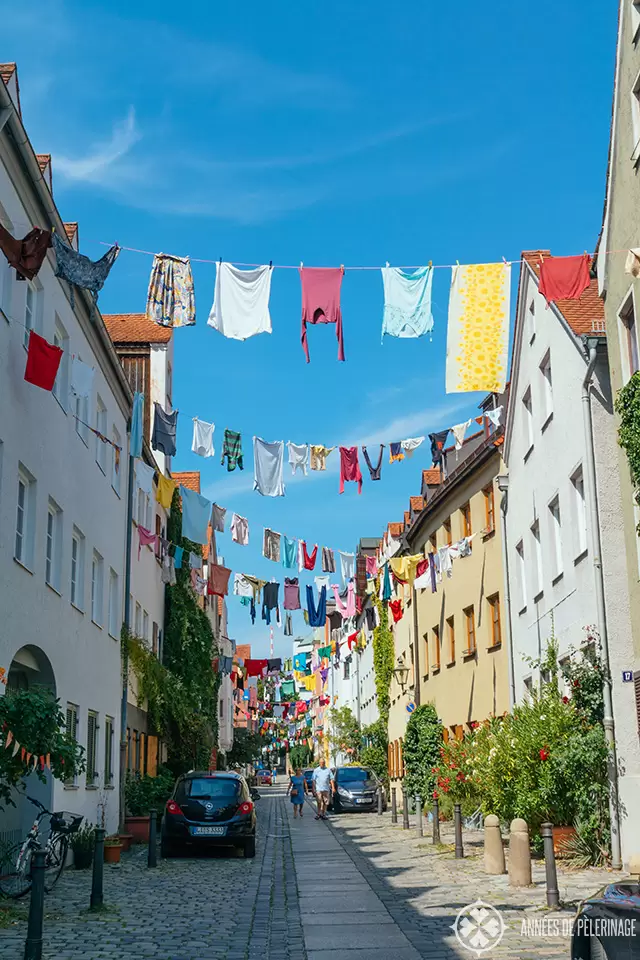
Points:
(457, 817)
(152, 852)
(419, 830)
(380, 803)
(553, 894)
(493, 848)
(405, 810)
(519, 854)
(33, 943)
(436, 821)
(394, 806)
(97, 896)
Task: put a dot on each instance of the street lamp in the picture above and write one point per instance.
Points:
(401, 673)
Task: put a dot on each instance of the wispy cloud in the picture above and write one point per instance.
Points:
(101, 166)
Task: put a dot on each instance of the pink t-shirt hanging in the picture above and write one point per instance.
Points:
(349, 467)
(321, 302)
(564, 278)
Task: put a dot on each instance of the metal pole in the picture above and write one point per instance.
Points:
(416, 651)
(97, 898)
(457, 813)
(436, 821)
(33, 943)
(380, 800)
(553, 894)
(357, 685)
(394, 806)
(419, 830)
(125, 652)
(405, 810)
(152, 853)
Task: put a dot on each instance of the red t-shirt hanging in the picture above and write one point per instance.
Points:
(309, 559)
(396, 609)
(321, 302)
(564, 278)
(43, 360)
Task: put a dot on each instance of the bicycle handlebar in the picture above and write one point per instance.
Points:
(37, 803)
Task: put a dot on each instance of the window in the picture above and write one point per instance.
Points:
(635, 19)
(72, 731)
(30, 309)
(494, 619)
(451, 637)
(528, 687)
(154, 638)
(6, 273)
(138, 620)
(92, 747)
(145, 626)
(580, 512)
(142, 507)
(347, 669)
(532, 321)
(547, 389)
(97, 567)
(556, 536)
(114, 604)
(470, 627)
(77, 569)
(25, 518)
(116, 465)
(159, 533)
(527, 418)
(522, 576)
(81, 413)
(61, 385)
(635, 119)
(108, 751)
(53, 549)
(537, 554)
(436, 648)
(628, 333)
(489, 509)
(465, 514)
(101, 427)
(447, 532)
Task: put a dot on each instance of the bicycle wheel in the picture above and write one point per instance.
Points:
(55, 859)
(15, 870)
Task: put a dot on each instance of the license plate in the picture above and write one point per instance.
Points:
(208, 831)
(363, 800)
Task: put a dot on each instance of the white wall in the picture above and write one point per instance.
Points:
(360, 675)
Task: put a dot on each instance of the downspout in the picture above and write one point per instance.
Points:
(125, 651)
(503, 486)
(609, 728)
(416, 650)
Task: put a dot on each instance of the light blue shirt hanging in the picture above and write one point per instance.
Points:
(135, 446)
(289, 552)
(407, 302)
(196, 513)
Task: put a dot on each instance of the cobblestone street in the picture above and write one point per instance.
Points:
(359, 887)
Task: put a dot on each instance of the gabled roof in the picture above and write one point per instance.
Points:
(189, 479)
(432, 477)
(44, 159)
(135, 328)
(395, 530)
(9, 72)
(586, 315)
(416, 503)
(71, 230)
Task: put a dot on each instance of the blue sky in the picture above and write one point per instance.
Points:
(326, 133)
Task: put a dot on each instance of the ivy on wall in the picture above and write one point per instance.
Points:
(628, 409)
(383, 659)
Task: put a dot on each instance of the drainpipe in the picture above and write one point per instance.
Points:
(596, 545)
(125, 653)
(503, 487)
(416, 651)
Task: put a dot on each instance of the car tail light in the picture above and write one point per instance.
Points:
(245, 807)
(173, 808)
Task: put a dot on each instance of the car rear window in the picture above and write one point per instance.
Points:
(347, 774)
(210, 788)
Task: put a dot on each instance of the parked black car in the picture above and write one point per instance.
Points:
(209, 809)
(607, 926)
(356, 789)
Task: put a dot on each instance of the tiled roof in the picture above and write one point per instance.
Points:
(407, 518)
(44, 159)
(416, 503)
(7, 70)
(243, 650)
(71, 230)
(395, 530)
(135, 328)
(584, 316)
(431, 478)
(189, 479)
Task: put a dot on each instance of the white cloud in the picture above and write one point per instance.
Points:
(102, 165)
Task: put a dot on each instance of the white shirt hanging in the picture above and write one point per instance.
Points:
(203, 438)
(241, 304)
(459, 431)
(411, 444)
(81, 378)
(298, 456)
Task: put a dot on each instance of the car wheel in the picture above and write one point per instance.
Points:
(597, 951)
(250, 848)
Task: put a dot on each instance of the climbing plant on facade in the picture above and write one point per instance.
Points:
(628, 409)
(383, 659)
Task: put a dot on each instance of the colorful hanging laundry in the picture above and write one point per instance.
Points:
(317, 614)
(371, 566)
(165, 428)
(387, 592)
(321, 302)
(396, 610)
(170, 298)
(404, 568)
(196, 513)
(256, 668)
(241, 586)
(309, 559)
(241, 303)
(374, 471)
(291, 593)
(240, 529)
(411, 444)
(82, 377)
(43, 360)
(177, 556)
(168, 572)
(289, 552)
(301, 662)
(270, 601)
(145, 537)
(195, 561)
(438, 441)
(26, 256)
(288, 688)
(319, 456)
(298, 456)
(137, 428)
(349, 468)
(349, 609)
(202, 443)
(407, 302)
(271, 545)
(77, 269)
(478, 328)
(218, 516)
(144, 475)
(564, 278)
(164, 491)
(494, 416)
(268, 465)
(321, 582)
(395, 452)
(459, 432)
(232, 450)
(347, 566)
(632, 263)
(328, 561)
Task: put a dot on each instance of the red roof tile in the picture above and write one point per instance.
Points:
(416, 504)
(407, 518)
(135, 328)
(7, 70)
(584, 316)
(44, 159)
(189, 479)
(71, 229)
(243, 650)
(395, 530)
(431, 478)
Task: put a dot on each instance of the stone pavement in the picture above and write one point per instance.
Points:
(356, 888)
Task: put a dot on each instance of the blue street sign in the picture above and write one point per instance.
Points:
(627, 676)
(411, 707)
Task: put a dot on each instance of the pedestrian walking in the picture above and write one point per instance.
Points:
(324, 784)
(296, 791)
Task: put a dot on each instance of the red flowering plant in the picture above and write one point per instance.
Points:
(454, 773)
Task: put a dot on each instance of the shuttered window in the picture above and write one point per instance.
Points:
(92, 747)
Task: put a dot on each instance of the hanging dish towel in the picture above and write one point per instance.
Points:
(268, 464)
(170, 298)
(328, 560)
(478, 328)
(241, 304)
(407, 302)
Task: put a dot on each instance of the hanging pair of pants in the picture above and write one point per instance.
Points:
(317, 615)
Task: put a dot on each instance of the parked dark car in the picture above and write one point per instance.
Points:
(356, 789)
(308, 776)
(607, 926)
(209, 809)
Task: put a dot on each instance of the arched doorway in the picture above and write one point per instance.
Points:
(29, 668)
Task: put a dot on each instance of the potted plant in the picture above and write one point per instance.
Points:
(143, 794)
(82, 844)
(112, 849)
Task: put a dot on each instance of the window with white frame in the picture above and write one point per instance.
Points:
(53, 546)
(61, 385)
(145, 626)
(108, 751)
(527, 419)
(114, 604)
(579, 512)
(30, 310)
(547, 388)
(25, 518)
(81, 413)
(6, 274)
(635, 119)
(628, 334)
(522, 575)
(101, 427)
(72, 731)
(138, 620)
(537, 556)
(141, 512)
(556, 536)
(148, 513)
(116, 460)
(92, 748)
(77, 568)
(97, 579)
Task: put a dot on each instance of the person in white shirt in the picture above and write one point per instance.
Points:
(324, 784)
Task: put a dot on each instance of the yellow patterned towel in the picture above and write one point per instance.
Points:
(478, 330)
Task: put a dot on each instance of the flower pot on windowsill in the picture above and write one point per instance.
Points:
(112, 850)
(561, 835)
(126, 840)
(138, 828)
